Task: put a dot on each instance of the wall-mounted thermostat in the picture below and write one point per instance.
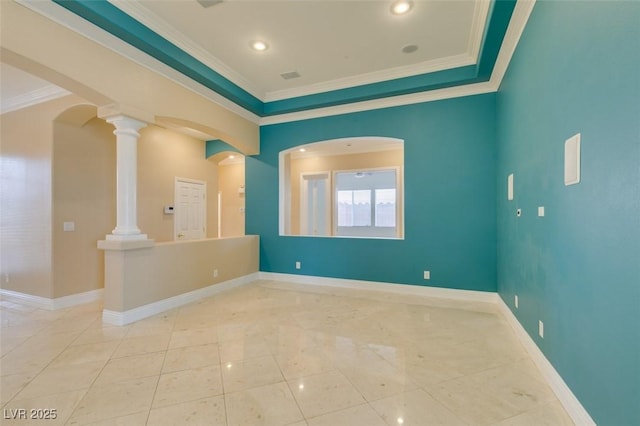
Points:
(168, 209)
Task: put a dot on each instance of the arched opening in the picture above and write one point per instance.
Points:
(351, 187)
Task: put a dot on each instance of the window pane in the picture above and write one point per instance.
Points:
(362, 208)
(345, 208)
(385, 208)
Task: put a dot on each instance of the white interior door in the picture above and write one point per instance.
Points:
(190, 210)
(315, 204)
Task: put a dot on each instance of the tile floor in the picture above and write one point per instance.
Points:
(273, 353)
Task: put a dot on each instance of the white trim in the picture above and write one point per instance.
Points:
(57, 303)
(407, 289)
(34, 97)
(574, 408)
(518, 22)
(425, 67)
(478, 25)
(414, 98)
(145, 311)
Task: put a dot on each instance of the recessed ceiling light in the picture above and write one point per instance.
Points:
(401, 7)
(232, 157)
(259, 45)
(302, 150)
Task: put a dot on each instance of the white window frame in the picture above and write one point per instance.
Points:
(399, 228)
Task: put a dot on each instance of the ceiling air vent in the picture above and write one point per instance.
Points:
(209, 3)
(290, 75)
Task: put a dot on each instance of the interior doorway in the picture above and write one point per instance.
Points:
(190, 209)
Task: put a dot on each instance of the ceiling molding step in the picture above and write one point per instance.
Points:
(75, 23)
(34, 97)
(414, 98)
(158, 25)
(426, 67)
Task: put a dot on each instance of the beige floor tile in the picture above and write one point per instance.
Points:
(101, 334)
(137, 419)
(199, 336)
(81, 354)
(63, 378)
(203, 412)
(358, 415)
(56, 408)
(11, 385)
(131, 367)
(142, 345)
(243, 348)
(551, 414)
(269, 405)
(250, 373)
(324, 393)
(304, 362)
(191, 357)
(377, 380)
(415, 408)
(115, 400)
(188, 385)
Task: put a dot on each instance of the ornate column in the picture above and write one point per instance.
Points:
(127, 179)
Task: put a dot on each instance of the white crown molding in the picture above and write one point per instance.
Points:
(161, 27)
(145, 311)
(478, 25)
(373, 77)
(518, 22)
(34, 97)
(414, 98)
(69, 20)
(54, 304)
(571, 404)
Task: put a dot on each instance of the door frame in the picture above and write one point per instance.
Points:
(328, 201)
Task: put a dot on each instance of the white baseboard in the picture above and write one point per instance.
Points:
(406, 289)
(145, 311)
(572, 406)
(54, 304)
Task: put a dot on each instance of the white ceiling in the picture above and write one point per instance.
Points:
(331, 44)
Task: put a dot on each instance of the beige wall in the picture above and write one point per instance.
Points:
(164, 155)
(26, 144)
(142, 276)
(84, 192)
(230, 179)
(332, 163)
(54, 172)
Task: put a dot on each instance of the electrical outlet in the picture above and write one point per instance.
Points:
(427, 275)
(541, 329)
(215, 273)
(540, 211)
(298, 265)
(516, 301)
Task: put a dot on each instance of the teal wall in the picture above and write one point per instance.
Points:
(450, 198)
(576, 69)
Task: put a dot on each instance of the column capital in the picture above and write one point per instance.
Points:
(125, 124)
